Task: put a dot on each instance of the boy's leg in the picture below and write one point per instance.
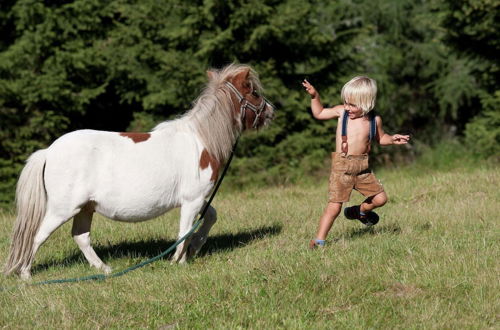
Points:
(373, 202)
(330, 213)
(364, 211)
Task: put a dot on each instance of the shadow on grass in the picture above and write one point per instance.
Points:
(394, 229)
(230, 242)
(152, 248)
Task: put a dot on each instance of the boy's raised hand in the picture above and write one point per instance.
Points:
(400, 139)
(309, 88)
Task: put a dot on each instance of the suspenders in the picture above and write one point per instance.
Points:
(373, 130)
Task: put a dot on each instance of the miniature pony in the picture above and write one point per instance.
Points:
(134, 177)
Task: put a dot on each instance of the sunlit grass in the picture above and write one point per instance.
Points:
(431, 262)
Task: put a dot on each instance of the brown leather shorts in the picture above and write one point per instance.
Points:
(348, 173)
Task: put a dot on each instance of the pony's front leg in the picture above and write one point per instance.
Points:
(189, 210)
(200, 237)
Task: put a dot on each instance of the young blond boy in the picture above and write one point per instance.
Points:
(350, 168)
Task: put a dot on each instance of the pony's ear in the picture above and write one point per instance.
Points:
(242, 76)
(211, 74)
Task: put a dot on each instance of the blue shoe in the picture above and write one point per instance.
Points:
(313, 244)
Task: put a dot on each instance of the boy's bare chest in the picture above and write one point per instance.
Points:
(358, 126)
(358, 133)
(357, 129)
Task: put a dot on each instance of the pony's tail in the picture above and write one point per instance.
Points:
(31, 203)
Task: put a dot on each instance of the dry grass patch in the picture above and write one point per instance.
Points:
(399, 290)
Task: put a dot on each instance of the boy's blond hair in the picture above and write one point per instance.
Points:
(361, 91)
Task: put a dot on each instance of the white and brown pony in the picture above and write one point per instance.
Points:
(136, 176)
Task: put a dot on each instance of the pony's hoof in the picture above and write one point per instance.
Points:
(178, 259)
(175, 259)
(177, 262)
(191, 251)
(106, 269)
(195, 246)
(25, 276)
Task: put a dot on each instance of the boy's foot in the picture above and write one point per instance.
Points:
(314, 243)
(353, 213)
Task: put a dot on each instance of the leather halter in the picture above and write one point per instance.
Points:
(244, 104)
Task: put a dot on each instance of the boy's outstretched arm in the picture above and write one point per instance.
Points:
(318, 111)
(386, 139)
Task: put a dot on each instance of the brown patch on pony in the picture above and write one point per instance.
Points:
(249, 119)
(137, 137)
(207, 160)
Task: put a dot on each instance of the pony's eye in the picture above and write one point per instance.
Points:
(255, 93)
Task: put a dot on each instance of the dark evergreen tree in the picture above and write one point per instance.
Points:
(126, 65)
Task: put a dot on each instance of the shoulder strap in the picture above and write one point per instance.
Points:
(344, 133)
(372, 135)
(344, 123)
(373, 126)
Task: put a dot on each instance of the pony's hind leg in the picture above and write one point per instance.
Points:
(200, 237)
(189, 210)
(49, 224)
(81, 234)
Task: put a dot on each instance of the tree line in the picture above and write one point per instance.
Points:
(125, 65)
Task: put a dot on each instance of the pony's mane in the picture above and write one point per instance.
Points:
(212, 116)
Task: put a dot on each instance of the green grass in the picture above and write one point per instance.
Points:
(431, 262)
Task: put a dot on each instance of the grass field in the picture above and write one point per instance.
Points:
(431, 262)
